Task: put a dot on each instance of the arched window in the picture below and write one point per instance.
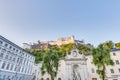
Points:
(59, 78)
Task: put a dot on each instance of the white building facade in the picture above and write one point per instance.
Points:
(80, 67)
(112, 72)
(72, 67)
(15, 63)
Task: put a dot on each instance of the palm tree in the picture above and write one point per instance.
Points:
(50, 63)
(101, 59)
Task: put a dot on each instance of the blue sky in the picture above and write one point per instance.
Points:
(94, 21)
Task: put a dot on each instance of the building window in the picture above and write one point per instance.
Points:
(0, 76)
(119, 70)
(15, 68)
(93, 71)
(8, 65)
(19, 69)
(112, 71)
(6, 45)
(25, 70)
(11, 67)
(47, 78)
(8, 52)
(6, 56)
(18, 60)
(114, 54)
(10, 57)
(22, 69)
(14, 49)
(1, 42)
(94, 78)
(3, 65)
(10, 47)
(8, 77)
(20, 78)
(1, 54)
(59, 78)
(4, 76)
(3, 50)
(26, 55)
(13, 59)
(12, 77)
(117, 62)
(0, 61)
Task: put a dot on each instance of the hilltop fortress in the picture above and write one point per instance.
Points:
(60, 41)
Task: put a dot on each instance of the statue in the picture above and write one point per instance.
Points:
(76, 74)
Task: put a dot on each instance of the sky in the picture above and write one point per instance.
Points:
(94, 21)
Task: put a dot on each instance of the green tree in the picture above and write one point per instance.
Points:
(117, 45)
(84, 49)
(109, 44)
(101, 59)
(39, 55)
(50, 63)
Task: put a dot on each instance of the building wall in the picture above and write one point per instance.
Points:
(15, 63)
(112, 72)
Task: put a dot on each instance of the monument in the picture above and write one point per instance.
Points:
(76, 66)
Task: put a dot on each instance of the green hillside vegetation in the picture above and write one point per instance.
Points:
(117, 45)
(61, 51)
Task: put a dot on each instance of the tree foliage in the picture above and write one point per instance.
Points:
(109, 44)
(84, 49)
(50, 63)
(38, 54)
(117, 45)
(66, 48)
(101, 59)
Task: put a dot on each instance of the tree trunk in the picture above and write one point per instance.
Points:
(52, 78)
(103, 73)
